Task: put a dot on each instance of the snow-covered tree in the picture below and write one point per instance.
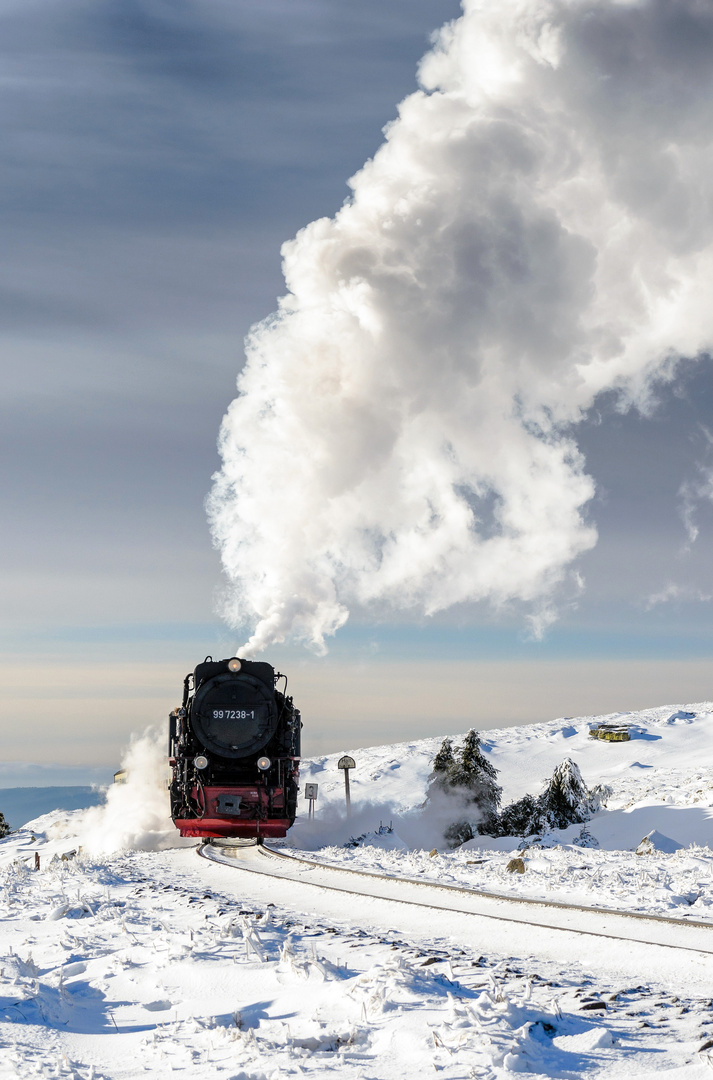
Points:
(443, 763)
(467, 770)
(457, 833)
(521, 818)
(566, 800)
(5, 829)
(479, 777)
(473, 771)
(585, 839)
(467, 774)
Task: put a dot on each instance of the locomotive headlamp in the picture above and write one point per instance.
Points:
(201, 762)
(263, 763)
(234, 665)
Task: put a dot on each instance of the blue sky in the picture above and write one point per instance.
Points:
(156, 156)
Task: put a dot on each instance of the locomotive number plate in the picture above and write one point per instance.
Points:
(233, 714)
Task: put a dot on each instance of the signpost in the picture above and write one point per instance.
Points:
(347, 763)
(311, 794)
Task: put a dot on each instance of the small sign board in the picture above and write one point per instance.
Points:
(346, 762)
(311, 791)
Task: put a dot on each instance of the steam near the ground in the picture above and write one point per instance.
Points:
(421, 826)
(136, 814)
(537, 228)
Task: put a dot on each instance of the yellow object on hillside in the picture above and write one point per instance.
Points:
(610, 733)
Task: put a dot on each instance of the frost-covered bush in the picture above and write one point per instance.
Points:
(357, 841)
(599, 795)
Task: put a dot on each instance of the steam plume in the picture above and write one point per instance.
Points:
(135, 815)
(536, 229)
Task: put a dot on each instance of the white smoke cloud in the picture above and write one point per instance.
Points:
(537, 228)
(423, 827)
(136, 814)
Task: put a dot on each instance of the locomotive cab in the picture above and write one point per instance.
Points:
(234, 748)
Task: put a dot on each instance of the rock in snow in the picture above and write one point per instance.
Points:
(656, 841)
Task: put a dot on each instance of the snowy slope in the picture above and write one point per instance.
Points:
(151, 962)
(669, 759)
(661, 780)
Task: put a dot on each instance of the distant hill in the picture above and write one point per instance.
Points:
(23, 804)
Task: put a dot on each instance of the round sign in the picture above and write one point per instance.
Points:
(346, 762)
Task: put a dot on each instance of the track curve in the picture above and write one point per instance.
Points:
(554, 917)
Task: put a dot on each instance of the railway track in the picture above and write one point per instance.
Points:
(553, 917)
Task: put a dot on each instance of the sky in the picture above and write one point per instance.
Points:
(156, 156)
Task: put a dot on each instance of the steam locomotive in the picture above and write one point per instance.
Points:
(234, 748)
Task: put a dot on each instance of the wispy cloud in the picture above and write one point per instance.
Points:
(699, 489)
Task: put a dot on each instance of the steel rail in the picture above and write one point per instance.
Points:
(668, 919)
(269, 852)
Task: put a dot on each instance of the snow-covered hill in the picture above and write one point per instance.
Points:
(21, 804)
(661, 782)
(130, 957)
(661, 779)
(677, 739)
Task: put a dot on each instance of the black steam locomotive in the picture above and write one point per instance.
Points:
(234, 747)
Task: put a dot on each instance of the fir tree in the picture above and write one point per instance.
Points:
(521, 818)
(585, 839)
(475, 766)
(467, 773)
(441, 769)
(5, 829)
(477, 776)
(443, 762)
(457, 833)
(566, 799)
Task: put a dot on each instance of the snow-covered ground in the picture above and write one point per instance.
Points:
(153, 962)
(661, 782)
